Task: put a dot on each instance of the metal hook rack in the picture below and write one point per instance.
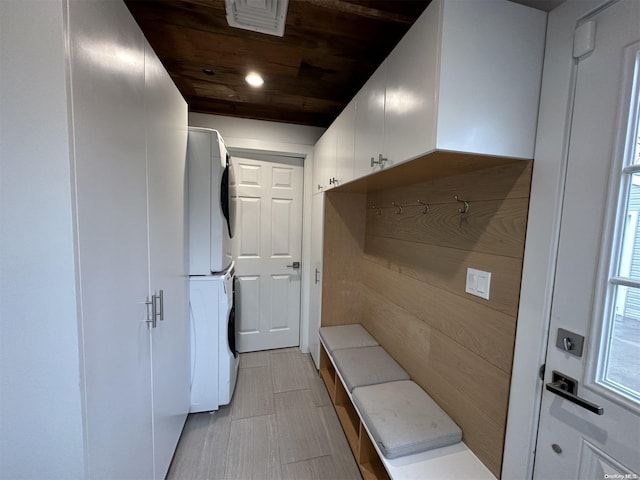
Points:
(426, 207)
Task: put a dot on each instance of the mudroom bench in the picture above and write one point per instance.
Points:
(393, 427)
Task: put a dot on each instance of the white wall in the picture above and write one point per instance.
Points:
(542, 239)
(284, 138)
(257, 134)
(40, 400)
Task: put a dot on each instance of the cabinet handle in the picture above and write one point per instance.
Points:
(380, 160)
(333, 181)
(151, 315)
(319, 187)
(316, 277)
(160, 309)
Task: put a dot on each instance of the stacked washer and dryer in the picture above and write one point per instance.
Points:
(214, 358)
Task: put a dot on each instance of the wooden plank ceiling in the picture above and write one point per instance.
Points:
(328, 51)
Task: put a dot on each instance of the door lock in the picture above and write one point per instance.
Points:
(570, 342)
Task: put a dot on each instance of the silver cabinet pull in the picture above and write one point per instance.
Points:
(567, 388)
(294, 265)
(316, 277)
(151, 312)
(380, 160)
(160, 309)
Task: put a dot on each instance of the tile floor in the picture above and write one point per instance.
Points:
(279, 425)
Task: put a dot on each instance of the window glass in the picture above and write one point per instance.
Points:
(619, 359)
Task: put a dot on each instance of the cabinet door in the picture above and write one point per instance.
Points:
(345, 126)
(370, 123)
(166, 125)
(107, 78)
(315, 299)
(324, 161)
(410, 101)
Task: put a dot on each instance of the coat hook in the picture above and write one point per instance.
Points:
(425, 205)
(398, 208)
(378, 209)
(465, 208)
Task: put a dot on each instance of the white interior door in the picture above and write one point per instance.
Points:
(267, 245)
(594, 433)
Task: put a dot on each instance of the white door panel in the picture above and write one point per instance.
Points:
(315, 299)
(268, 201)
(166, 120)
(107, 71)
(574, 442)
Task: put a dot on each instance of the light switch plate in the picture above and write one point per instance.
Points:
(478, 283)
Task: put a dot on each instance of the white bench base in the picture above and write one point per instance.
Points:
(453, 462)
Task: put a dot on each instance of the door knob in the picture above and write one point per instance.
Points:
(294, 265)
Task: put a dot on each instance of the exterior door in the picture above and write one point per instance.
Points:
(594, 432)
(267, 243)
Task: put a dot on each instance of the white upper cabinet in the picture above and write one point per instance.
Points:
(490, 71)
(345, 144)
(465, 78)
(324, 160)
(410, 101)
(369, 129)
(333, 154)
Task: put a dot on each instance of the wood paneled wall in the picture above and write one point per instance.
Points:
(343, 246)
(405, 279)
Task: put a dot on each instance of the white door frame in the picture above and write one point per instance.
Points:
(243, 146)
(547, 190)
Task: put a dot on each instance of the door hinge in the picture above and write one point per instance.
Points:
(541, 371)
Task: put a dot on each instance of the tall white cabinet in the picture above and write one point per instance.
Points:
(92, 227)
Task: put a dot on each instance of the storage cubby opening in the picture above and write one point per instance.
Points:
(328, 373)
(368, 459)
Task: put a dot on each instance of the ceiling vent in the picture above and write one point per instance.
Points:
(264, 16)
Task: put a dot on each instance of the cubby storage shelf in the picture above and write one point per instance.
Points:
(447, 463)
(364, 452)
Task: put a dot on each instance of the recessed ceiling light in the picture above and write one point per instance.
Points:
(254, 79)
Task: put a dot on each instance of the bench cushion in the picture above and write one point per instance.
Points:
(346, 336)
(403, 419)
(367, 366)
